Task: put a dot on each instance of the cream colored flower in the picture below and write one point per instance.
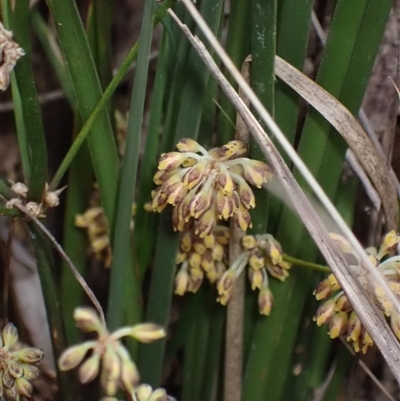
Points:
(109, 357)
(10, 52)
(17, 367)
(207, 186)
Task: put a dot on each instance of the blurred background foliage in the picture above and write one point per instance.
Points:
(74, 53)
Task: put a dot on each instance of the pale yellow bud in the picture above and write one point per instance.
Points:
(265, 301)
(34, 208)
(74, 355)
(143, 392)
(338, 324)
(354, 327)
(24, 387)
(189, 145)
(30, 372)
(181, 281)
(87, 320)
(249, 242)
(29, 355)
(147, 332)
(324, 312)
(10, 335)
(90, 368)
(20, 189)
(15, 369)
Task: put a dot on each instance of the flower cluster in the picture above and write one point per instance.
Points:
(207, 186)
(17, 367)
(95, 223)
(109, 357)
(144, 392)
(263, 256)
(199, 257)
(10, 52)
(50, 199)
(337, 311)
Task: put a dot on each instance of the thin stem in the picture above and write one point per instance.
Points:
(308, 265)
(67, 260)
(6, 276)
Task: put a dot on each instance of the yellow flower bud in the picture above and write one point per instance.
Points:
(15, 369)
(147, 332)
(246, 194)
(265, 301)
(256, 172)
(218, 252)
(87, 320)
(354, 327)
(10, 335)
(226, 282)
(232, 150)
(129, 373)
(366, 341)
(343, 304)
(181, 281)
(224, 182)
(338, 324)
(207, 261)
(324, 312)
(186, 241)
(29, 355)
(333, 282)
(171, 161)
(323, 290)
(194, 260)
(206, 223)
(209, 241)
(90, 368)
(199, 247)
(256, 278)
(189, 145)
(224, 205)
(242, 218)
(249, 242)
(256, 260)
(74, 355)
(143, 392)
(24, 388)
(195, 174)
(388, 244)
(30, 372)
(11, 393)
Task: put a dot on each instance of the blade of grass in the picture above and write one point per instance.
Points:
(75, 241)
(45, 265)
(276, 329)
(53, 53)
(238, 47)
(16, 97)
(122, 290)
(292, 39)
(144, 221)
(86, 83)
(35, 137)
(92, 119)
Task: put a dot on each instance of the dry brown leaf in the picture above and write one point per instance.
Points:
(352, 132)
